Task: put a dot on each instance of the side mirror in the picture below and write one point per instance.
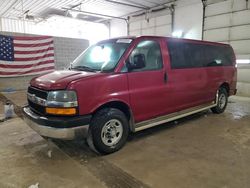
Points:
(138, 62)
(70, 66)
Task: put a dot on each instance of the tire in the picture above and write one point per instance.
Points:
(222, 101)
(109, 130)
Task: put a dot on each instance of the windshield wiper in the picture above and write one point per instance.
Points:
(83, 68)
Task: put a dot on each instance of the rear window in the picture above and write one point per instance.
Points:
(191, 55)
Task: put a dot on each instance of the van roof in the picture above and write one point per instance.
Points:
(172, 38)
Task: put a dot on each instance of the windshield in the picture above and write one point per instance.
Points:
(102, 56)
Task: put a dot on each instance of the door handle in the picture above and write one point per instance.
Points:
(165, 77)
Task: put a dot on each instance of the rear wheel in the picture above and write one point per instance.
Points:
(222, 101)
(109, 130)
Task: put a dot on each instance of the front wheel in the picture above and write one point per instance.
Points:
(222, 101)
(109, 130)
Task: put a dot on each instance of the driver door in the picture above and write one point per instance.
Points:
(148, 86)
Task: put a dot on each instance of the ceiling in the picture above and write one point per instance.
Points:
(42, 9)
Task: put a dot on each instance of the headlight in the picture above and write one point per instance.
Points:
(61, 102)
(62, 96)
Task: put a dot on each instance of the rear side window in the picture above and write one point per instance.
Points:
(191, 55)
(218, 56)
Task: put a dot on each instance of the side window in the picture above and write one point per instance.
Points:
(194, 55)
(185, 54)
(228, 56)
(152, 53)
(191, 55)
(177, 54)
(218, 56)
(213, 58)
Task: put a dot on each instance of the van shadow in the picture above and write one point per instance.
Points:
(79, 148)
(167, 126)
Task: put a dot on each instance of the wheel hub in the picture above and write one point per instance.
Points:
(222, 101)
(112, 132)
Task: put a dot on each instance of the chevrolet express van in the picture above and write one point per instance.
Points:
(124, 85)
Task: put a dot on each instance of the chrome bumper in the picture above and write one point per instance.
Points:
(53, 132)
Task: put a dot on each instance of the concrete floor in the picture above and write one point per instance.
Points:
(205, 150)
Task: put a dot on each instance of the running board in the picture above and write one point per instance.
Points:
(171, 117)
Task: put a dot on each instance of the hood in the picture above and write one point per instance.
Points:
(58, 79)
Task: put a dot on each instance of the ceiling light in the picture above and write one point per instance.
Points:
(74, 14)
(243, 61)
(177, 34)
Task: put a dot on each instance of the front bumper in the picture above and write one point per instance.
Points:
(66, 128)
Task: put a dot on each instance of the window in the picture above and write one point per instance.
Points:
(218, 56)
(102, 56)
(177, 55)
(152, 52)
(190, 55)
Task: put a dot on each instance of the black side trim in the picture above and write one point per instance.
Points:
(57, 122)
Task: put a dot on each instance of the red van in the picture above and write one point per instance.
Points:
(129, 84)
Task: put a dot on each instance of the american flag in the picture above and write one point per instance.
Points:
(20, 56)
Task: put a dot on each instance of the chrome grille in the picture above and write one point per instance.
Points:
(38, 92)
(36, 107)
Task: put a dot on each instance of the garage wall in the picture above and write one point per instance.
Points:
(66, 50)
(57, 26)
(243, 84)
(118, 28)
(154, 23)
(187, 18)
(229, 22)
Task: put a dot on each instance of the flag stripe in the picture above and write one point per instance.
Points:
(26, 55)
(27, 69)
(33, 45)
(26, 66)
(33, 58)
(34, 51)
(27, 74)
(32, 41)
(26, 62)
(33, 71)
(32, 38)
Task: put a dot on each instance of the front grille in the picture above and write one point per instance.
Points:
(38, 93)
(36, 108)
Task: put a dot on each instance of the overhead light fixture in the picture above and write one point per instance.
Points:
(74, 14)
(177, 34)
(243, 61)
(57, 25)
(29, 17)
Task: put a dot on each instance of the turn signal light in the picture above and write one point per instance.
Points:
(61, 111)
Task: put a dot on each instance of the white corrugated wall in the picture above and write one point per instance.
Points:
(158, 23)
(57, 26)
(187, 17)
(228, 21)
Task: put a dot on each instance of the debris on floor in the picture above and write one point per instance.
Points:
(4, 119)
(49, 153)
(34, 186)
(8, 110)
